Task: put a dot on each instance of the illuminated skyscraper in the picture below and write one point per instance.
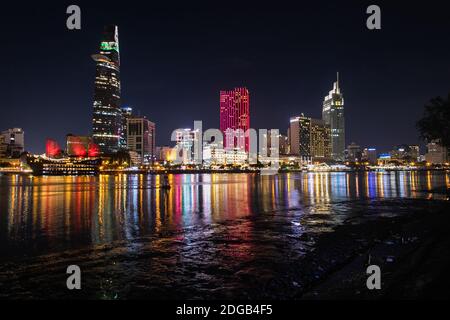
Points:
(320, 140)
(300, 136)
(333, 115)
(235, 115)
(107, 118)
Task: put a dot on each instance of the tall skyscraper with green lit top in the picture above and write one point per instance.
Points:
(333, 115)
(107, 116)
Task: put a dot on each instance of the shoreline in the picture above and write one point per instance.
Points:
(410, 251)
(209, 171)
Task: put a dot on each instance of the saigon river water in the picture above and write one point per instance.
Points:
(209, 235)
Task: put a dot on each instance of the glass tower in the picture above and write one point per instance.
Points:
(333, 115)
(107, 117)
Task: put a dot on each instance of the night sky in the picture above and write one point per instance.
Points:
(176, 57)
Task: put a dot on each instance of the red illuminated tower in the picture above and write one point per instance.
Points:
(235, 114)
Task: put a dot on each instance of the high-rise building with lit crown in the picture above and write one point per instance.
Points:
(333, 115)
(107, 117)
(235, 115)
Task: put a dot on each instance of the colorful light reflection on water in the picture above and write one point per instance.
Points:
(50, 213)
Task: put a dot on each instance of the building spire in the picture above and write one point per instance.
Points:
(337, 81)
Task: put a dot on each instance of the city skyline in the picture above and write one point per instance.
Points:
(229, 160)
(158, 65)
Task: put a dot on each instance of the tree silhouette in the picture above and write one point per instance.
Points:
(435, 123)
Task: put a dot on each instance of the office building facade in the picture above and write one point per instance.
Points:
(310, 139)
(127, 112)
(141, 138)
(12, 142)
(436, 153)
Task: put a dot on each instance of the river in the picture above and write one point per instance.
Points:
(132, 238)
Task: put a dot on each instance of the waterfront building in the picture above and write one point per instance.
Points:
(405, 153)
(284, 144)
(135, 158)
(13, 165)
(235, 115)
(12, 143)
(414, 152)
(320, 140)
(370, 155)
(186, 140)
(141, 138)
(436, 153)
(384, 158)
(279, 142)
(216, 155)
(107, 116)
(310, 139)
(290, 160)
(333, 115)
(354, 153)
(294, 136)
(165, 154)
(3, 147)
(213, 154)
(235, 156)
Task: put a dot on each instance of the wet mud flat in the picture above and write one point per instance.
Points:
(412, 252)
(284, 254)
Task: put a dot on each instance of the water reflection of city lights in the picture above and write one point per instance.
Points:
(120, 207)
